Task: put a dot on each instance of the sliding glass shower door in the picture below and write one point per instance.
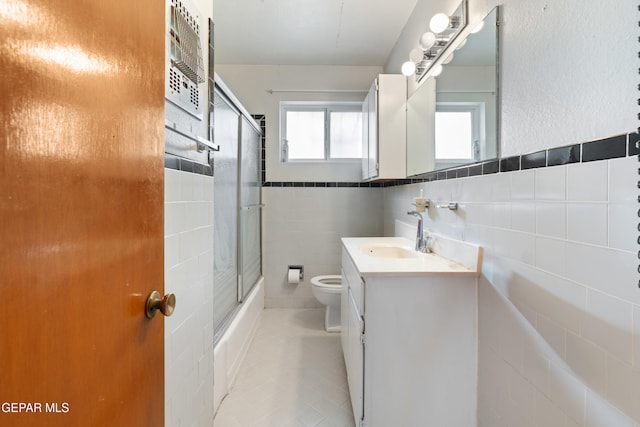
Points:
(250, 208)
(225, 209)
(236, 209)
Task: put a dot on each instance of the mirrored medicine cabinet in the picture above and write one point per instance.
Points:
(453, 119)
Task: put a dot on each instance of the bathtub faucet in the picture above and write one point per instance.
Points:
(421, 242)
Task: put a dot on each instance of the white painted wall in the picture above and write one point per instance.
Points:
(559, 306)
(188, 247)
(556, 89)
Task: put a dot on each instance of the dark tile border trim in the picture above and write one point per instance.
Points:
(613, 147)
(261, 119)
(617, 146)
(510, 164)
(490, 167)
(313, 184)
(533, 160)
(185, 165)
(634, 141)
(609, 148)
(564, 155)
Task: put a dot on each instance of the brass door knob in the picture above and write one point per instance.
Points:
(156, 302)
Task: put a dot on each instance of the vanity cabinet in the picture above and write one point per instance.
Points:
(409, 344)
(352, 329)
(384, 133)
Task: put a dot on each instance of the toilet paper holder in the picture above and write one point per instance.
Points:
(298, 267)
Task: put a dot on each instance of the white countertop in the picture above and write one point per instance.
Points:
(414, 264)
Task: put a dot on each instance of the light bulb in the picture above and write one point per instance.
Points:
(449, 59)
(416, 55)
(439, 22)
(435, 71)
(408, 68)
(427, 40)
(461, 45)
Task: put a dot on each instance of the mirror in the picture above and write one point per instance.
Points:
(452, 119)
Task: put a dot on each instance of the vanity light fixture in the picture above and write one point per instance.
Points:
(408, 68)
(427, 40)
(432, 44)
(439, 22)
(448, 59)
(416, 55)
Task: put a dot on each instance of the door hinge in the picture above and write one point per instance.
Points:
(362, 338)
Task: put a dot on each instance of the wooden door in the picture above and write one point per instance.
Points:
(81, 212)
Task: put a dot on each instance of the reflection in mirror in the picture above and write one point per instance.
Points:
(463, 128)
(421, 116)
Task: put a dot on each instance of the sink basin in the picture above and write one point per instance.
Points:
(388, 251)
(395, 256)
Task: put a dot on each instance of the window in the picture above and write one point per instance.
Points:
(320, 132)
(459, 133)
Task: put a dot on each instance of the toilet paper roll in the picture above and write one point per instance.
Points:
(294, 276)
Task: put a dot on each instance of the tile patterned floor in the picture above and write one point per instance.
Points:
(293, 376)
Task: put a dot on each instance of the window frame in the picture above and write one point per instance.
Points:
(315, 106)
(477, 110)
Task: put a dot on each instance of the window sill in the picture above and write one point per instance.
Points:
(323, 162)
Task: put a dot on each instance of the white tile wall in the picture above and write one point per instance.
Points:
(611, 334)
(623, 205)
(587, 223)
(623, 387)
(551, 219)
(587, 182)
(636, 336)
(550, 183)
(601, 413)
(559, 304)
(303, 226)
(189, 275)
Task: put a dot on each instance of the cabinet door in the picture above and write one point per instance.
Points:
(344, 320)
(355, 364)
(370, 134)
(365, 138)
(372, 122)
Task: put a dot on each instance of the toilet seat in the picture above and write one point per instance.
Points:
(328, 282)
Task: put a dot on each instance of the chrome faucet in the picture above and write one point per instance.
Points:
(421, 242)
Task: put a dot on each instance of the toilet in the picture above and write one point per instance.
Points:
(327, 289)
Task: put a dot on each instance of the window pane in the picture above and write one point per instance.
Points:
(454, 128)
(346, 134)
(305, 134)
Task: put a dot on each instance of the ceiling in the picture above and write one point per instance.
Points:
(308, 32)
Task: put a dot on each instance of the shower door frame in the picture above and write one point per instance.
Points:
(227, 96)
